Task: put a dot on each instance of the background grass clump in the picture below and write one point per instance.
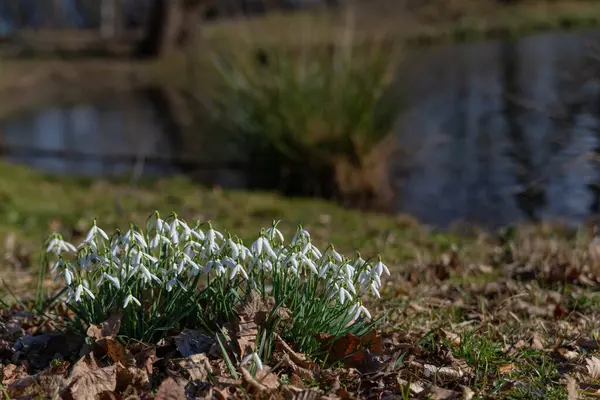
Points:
(317, 120)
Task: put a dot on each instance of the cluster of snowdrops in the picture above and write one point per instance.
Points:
(170, 275)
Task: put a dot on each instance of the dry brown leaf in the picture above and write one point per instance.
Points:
(299, 371)
(131, 377)
(169, 389)
(536, 342)
(572, 389)
(91, 384)
(587, 343)
(145, 358)
(13, 372)
(353, 351)
(445, 373)
(82, 367)
(467, 393)
(438, 393)
(108, 328)
(593, 367)
(296, 358)
(191, 342)
(251, 314)
(47, 383)
(197, 367)
(506, 368)
(264, 381)
(116, 351)
(292, 392)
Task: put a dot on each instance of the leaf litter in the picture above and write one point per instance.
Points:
(486, 335)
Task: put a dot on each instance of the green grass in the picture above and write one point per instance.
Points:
(471, 316)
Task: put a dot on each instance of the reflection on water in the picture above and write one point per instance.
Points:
(496, 132)
(502, 131)
(106, 137)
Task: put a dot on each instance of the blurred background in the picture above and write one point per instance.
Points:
(482, 111)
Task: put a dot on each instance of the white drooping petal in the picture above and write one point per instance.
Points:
(254, 357)
(257, 246)
(129, 299)
(235, 270)
(344, 294)
(68, 276)
(361, 310)
(268, 249)
(375, 289)
(310, 264)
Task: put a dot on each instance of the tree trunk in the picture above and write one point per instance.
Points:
(162, 29)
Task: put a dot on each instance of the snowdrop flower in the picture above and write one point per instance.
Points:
(80, 290)
(268, 249)
(92, 235)
(134, 237)
(344, 294)
(235, 270)
(274, 232)
(337, 256)
(67, 274)
(212, 235)
(300, 235)
(157, 239)
(380, 268)
(359, 262)
(254, 357)
(172, 283)
(310, 264)
(147, 276)
(375, 290)
(113, 280)
(267, 266)
(159, 225)
(58, 245)
(129, 299)
(359, 310)
(197, 234)
(57, 265)
(257, 246)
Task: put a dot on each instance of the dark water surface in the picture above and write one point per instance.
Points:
(495, 132)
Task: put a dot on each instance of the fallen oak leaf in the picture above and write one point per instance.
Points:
(88, 386)
(353, 351)
(116, 351)
(191, 342)
(131, 376)
(296, 358)
(593, 367)
(108, 328)
(170, 389)
(195, 367)
(264, 381)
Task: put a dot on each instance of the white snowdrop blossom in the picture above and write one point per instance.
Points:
(254, 357)
(129, 299)
(173, 261)
(57, 246)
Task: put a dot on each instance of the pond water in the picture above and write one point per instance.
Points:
(496, 132)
